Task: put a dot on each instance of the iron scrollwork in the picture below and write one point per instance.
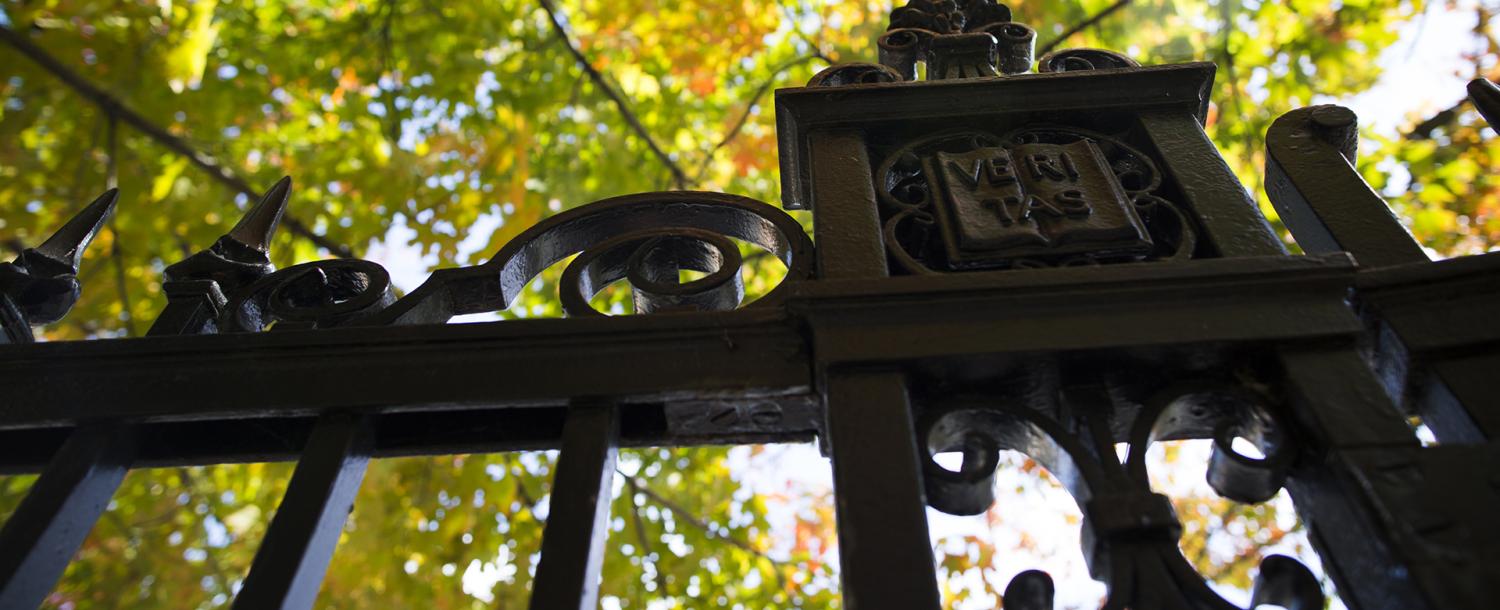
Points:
(232, 287)
(1130, 532)
(318, 294)
(1034, 197)
(645, 239)
(1077, 60)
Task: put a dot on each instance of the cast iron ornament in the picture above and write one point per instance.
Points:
(1130, 532)
(41, 284)
(1034, 197)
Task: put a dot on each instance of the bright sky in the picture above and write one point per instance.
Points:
(1424, 72)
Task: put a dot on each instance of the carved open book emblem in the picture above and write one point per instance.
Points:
(1033, 200)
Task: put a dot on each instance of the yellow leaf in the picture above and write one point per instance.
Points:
(186, 62)
(161, 186)
(242, 520)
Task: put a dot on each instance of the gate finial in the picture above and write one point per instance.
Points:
(255, 229)
(239, 257)
(66, 246)
(41, 285)
(964, 39)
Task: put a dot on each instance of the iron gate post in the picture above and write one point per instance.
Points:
(1058, 264)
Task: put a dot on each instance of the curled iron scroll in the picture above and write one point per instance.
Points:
(1129, 532)
(319, 294)
(1221, 414)
(1076, 60)
(646, 238)
(650, 260)
(854, 74)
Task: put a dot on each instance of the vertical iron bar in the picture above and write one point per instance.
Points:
(848, 229)
(64, 503)
(60, 510)
(1340, 401)
(567, 577)
(1215, 198)
(885, 553)
(291, 561)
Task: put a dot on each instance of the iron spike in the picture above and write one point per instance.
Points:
(1486, 96)
(259, 224)
(66, 246)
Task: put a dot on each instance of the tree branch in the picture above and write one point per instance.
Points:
(217, 571)
(696, 522)
(388, 97)
(1084, 25)
(640, 532)
(116, 254)
(739, 123)
(115, 108)
(1443, 118)
(678, 176)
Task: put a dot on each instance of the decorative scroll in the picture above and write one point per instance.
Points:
(319, 294)
(1075, 60)
(854, 74)
(1129, 532)
(644, 239)
(1037, 196)
(41, 284)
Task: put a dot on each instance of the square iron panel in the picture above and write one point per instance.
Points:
(1034, 200)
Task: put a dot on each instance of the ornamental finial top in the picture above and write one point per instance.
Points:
(948, 16)
(956, 39)
(961, 39)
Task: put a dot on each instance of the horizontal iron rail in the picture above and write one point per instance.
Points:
(902, 319)
(753, 353)
(280, 439)
(504, 386)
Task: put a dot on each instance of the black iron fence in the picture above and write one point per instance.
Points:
(1049, 263)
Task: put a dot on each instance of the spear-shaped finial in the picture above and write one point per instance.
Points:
(259, 224)
(239, 257)
(1486, 96)
(199, 285)
(41, 285)
(66, 246)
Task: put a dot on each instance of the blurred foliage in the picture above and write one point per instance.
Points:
(434, 116)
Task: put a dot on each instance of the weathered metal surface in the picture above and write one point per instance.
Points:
(1038, 196)
(885, 557)
(1323, 200)
(1050, 263)
(578, 518)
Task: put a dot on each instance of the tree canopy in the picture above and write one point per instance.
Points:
(419, 121)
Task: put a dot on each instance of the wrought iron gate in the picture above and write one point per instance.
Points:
(1049, 263)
